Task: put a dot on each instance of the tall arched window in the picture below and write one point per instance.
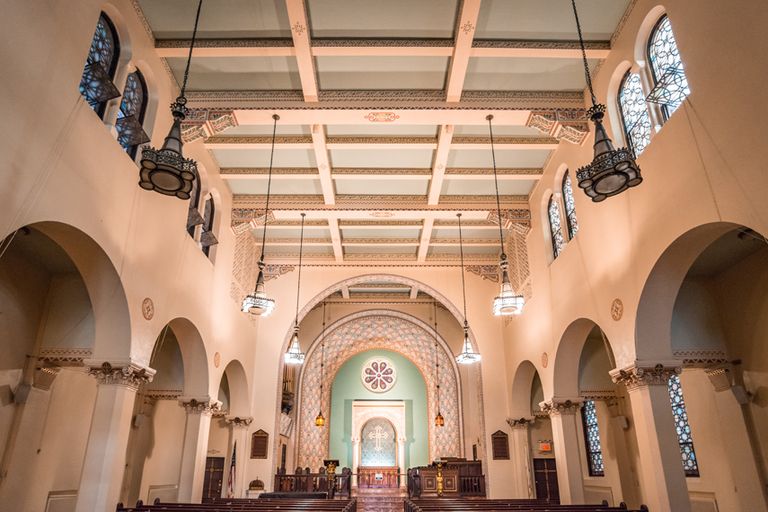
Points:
(207, 238)
(555, 226)
(130, 118)
(592, 439)
(571, 221)
(682, 428)
(670, 83)
(634, 113)
(96, 83)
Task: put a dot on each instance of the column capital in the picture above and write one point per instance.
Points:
(520, 423)
(239, 421)
(119, 373)
(558, 406)
(199, 405)
(643, 373)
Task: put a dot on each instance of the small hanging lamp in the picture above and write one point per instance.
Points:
(320, 419)
(508, 302)
(467, 356)
(612, 170)
(257, 303)
(166, 171)
(439, 420)
(294, 354)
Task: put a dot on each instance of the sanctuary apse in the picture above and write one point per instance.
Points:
(357, 169)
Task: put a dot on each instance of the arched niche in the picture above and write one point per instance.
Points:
(566, 369)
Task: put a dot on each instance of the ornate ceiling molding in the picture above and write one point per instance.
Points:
(64, 356)
(554, 44)
(641, 374)
(225, 43)
(489, 272)
(701, 358)
(561, 406)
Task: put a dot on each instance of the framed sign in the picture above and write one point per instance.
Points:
(259, 444)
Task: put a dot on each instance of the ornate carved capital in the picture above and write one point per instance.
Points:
(238, 421)
(558, 406)
(520, 423)
(127, 374)
(641, 374)
(204, 405)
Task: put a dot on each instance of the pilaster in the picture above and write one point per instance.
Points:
(195, 448)
(521, 457)
(239, 427)
(565, 435)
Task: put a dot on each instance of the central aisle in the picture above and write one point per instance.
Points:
(379, 500)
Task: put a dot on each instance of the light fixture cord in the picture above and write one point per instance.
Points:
(463, 283)
(269, 188)
(191, 47)
(496, 182)
(298, 285)
(584, 54)
(322, 359)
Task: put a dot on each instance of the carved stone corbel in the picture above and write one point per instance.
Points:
(238, 421)
(560, 406)
(520, 423)
(127, 374)
(641, 374)
(204, 405)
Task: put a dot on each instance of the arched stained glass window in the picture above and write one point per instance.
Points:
(193, 216)
(130, 118)
(670, 83)
(96, 83)
(555, 226)
(592, 438)
(683, 429)
(207, 238)
(571, 222)
(634, 113)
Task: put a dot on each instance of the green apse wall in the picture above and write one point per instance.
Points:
(409, 387)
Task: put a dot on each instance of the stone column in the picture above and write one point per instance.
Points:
(521, 457)
(401, 440)
(239, 426)
(565, 436)
(355, 458)
(662, 479)
(104, 464)
(740, 453)
(617, 424)
(195, 448)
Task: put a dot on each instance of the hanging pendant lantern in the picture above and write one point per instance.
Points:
(508, 302)
(467, 355)
(320, 419)
(439, 420)
(294, 354)
(257, 303)
(165, 170)
(612, 171)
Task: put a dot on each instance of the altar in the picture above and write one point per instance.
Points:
(378, 453)
(372, 477)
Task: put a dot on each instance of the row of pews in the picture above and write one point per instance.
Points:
(248, 505)
(486, 505)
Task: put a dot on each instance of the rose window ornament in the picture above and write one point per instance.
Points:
(379, 375)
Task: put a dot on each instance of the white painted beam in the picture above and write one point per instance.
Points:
(465, 33)
(426, 236)
(439, 163)
(297, 16)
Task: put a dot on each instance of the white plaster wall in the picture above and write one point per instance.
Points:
(161, 467)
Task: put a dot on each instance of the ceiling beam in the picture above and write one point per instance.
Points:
(344, 291)
(465, 33)
(440, 161)
(320, 147)
(333, 226)
(426, 236)
(414, 292)
(362, 173)
(297, 16)
(320, 144)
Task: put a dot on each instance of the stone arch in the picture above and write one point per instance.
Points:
(653, 321)
(522, 384)
(364, 331)
(565, 383)
(194, 357)
(239, 404)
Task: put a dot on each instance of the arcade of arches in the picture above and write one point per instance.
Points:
(637, 371)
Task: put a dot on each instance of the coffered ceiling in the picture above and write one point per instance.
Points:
(383, 135)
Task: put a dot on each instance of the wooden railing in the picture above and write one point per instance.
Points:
(305, 482)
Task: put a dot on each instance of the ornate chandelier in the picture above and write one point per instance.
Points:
(508, 302)
(257, 303)
(467, 356)
(320, 419)
(294, 354)
(165, 170)
(612, 170)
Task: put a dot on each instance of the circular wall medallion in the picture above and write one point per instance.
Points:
(617, 309)
(216, 359)
(148, 308)
(544, 359)
(378, 374)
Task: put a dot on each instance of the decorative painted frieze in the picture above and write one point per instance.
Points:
(641, 374)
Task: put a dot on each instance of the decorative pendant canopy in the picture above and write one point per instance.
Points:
(320, 419)
(257, 303)
(612, 170)
(508, 302)
(165, 170)
(294, 354)
(467, 356)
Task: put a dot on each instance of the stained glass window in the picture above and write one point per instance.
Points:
(130, 117)
(96, 83)
(555, 229)
(194, 218)
(592, 438)
(683, 429)
(634, 113)
(670, 83)
(572, 223)
(207, 238)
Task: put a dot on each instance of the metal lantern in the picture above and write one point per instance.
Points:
(294, 354)
(467, 355)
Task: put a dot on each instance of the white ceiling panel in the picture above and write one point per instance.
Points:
(532, 158)
(382, 158)
(376, 18)
(238, 73)
(486, 187)
(381, 72)
(174, 19)
(548, 19)
(466, 233)
(382, 186)
(453, 250)
(266, 130)
(481, 130)
(309, 250)
(525, 74)
(290, 187)
(380, 233)
(380, 249)
(260, 157)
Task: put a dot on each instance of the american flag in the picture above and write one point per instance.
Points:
(231, 478)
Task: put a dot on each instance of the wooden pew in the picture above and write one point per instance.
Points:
(248, 505)
(520, 505)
